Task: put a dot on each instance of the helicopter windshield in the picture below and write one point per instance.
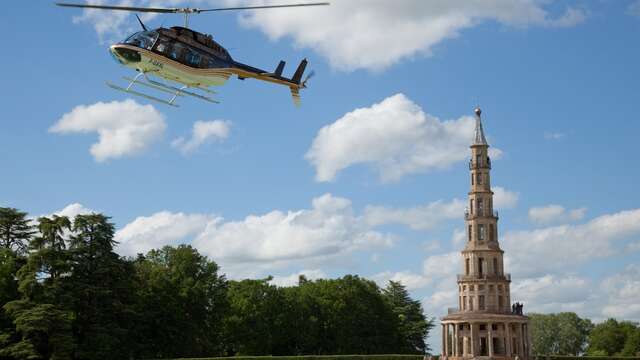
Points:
(143, 39)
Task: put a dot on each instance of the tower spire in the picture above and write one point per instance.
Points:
(478, 138)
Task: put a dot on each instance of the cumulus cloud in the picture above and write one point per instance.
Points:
(559, 247)
(555, 214)
(554, 136)
(124, 127)
(160, 229)
(411, 280)
(328, 228)
(359, 34)
(430, 215)
(202, 133)
(374, 34)
(394, 136)
(623, 291)
(634, 9)
(73, 210)
(292, 280)
(418, 218)
(503, 198)
(553, 293)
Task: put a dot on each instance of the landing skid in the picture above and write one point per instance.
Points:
(156, 85)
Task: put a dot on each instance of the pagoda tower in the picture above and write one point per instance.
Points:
(485, 324)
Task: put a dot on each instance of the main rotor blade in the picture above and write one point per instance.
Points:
(263, 7)
(122, 8)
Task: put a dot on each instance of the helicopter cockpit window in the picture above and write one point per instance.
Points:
(176, 51)
(193, 57)
(143, 39)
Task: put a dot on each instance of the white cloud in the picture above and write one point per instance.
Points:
(292, 280)
(395, 136)
(554, 136)
(418, 218)
(124, 127)
(430, 215)
(623, 292)
(555, 214)
(160, 229)
(410, 280)
(443, 267)
(73, 210)
(552, 293)
(203, 132)
(374, 34)
(634, 8)
(503, 198)
(358, 34)
(328, 228)
(559, 247)
(326, 231)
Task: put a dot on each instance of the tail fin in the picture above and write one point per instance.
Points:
(279, 69)
(297, 76)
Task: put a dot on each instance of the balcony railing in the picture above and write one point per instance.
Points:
(474, 165)
(462, 277)
(469, 216)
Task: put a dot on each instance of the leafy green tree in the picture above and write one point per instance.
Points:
(15, 229)
(100, 289)
(632, 343)
(255, 320)
(351, 316)
(40, 277)
(413, 327)
(42, 328)
(609, 337)
(44, 332)
(182, 302)
(563, 333)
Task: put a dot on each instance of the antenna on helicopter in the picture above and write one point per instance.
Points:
(141, 23)
(186, 11)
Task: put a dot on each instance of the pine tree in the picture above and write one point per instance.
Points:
(15, 230)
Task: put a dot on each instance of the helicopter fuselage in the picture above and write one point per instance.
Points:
(193, 59)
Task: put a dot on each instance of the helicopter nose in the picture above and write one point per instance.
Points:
(125, 55)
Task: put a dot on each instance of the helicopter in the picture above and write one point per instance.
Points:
(189, 58)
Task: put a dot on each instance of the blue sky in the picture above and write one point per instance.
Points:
(327, 189)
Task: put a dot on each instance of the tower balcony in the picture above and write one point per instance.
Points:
(469, 216)
(462, 277)
(474, 165)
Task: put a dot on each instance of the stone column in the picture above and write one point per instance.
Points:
(455, 340)
(472, 340)
(519, 339)
(446, 339)
(490, 338)
(507, 332)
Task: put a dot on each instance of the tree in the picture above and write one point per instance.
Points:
(254, 323)
(42, 331)
(413, 327)
(610, 337)
(15, 229)
(632, 344)
(563, 333)
(100, 290)
(181, 304)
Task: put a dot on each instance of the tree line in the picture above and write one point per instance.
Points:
(65, 294)
(567, 334)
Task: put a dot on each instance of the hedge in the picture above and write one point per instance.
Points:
(318, 357)
(563, 357)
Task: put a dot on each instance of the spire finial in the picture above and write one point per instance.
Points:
(478, 138)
